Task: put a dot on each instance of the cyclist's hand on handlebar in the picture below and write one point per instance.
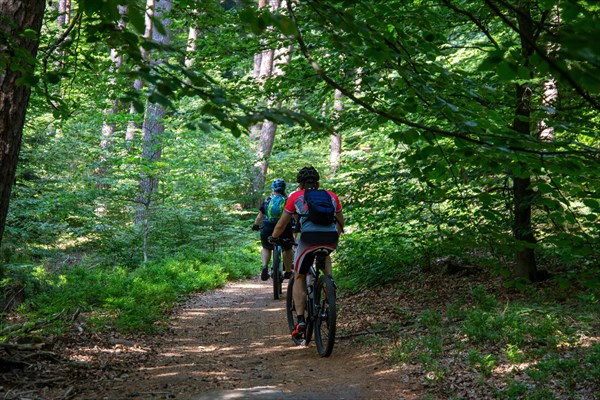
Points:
(273, 240)
(256, 227)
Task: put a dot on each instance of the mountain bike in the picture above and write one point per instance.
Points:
(277, 271)
(277, 267)
(320, 311)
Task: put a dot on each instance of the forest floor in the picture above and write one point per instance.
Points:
(233, 343)
(226, 344)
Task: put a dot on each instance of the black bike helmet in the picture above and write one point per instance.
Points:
(307, 174)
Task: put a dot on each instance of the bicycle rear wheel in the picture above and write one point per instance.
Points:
(325, 318)
(276, 273)
(291, 316)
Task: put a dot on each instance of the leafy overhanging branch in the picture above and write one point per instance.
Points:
(403, 121)
(543, 54)
(74, 22)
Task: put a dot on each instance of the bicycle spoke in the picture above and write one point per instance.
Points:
(326, 316)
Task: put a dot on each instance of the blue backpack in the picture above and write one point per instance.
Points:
(274, 208)
(321, 210)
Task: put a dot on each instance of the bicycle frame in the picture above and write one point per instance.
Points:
(277, 270)
(320, 306)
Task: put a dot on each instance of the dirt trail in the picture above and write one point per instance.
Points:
(233, 343)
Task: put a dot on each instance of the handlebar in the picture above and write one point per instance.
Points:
(281, 241)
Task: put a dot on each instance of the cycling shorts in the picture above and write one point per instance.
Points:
(308, 243)
(267, 230)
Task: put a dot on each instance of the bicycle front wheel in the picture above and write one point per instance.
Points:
(326, 314)
(276, 273)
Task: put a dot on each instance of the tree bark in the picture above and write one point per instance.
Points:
(17, 16)
(64, 13)
(336, 137)
(109, 127)
(526, 266)
(153, 129)
(133, 127)
(550, 91)
(191, 46)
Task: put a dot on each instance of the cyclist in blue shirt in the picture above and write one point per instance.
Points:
(270, 211)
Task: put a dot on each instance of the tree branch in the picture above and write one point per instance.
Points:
(403, 121)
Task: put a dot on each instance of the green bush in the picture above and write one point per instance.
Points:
(136, 298)
(368, 259)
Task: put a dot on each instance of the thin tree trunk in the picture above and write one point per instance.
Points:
(133, 127)
(550, 91)
(109, 127)
(526, 266)
(191, 46)
(336, 137)
(27, 15)
(64, 13)
(63, 19)
(271, 65)
(153, 129)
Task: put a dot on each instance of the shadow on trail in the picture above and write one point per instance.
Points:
(234, 343)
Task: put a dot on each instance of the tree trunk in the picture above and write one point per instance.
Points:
(336, 137)
(64, 13)
(526, 266)
(191, 46)
(133, 127)
(17, 16)
(550, 91)
(153, 129)
(267, 64)
(108, 127)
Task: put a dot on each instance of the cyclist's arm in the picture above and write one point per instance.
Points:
(281, 224)
(259, 218)
(340, 225)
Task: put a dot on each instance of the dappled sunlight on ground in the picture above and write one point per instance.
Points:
(235, 342)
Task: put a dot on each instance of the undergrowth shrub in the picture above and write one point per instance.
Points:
(134, 299)
(366, 259)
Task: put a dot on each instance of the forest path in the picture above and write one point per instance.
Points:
(233, 343)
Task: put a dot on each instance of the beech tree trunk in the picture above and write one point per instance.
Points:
(526, 266)
(267, 65)
(133, 127)
(16, 17)
(550, 91)
(336, 137)
(64, 12)
(153, 129)
(108, 126)
(191, 46)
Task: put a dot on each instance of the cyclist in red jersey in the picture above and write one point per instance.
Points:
(313, 236)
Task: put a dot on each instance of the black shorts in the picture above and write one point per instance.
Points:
(267, 230)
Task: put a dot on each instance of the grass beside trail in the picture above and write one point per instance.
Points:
(129, 299)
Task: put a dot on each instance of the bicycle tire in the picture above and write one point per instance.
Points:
(326, 313)
(276, 273)
(291, 316)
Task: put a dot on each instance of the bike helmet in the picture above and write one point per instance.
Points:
(278, 185)
(307, 174)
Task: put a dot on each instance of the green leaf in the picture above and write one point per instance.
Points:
(486, 199)
(506, 71)
(53, 78)
(136, 18)
(29, 34)
(591, 203)
(90, 6)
